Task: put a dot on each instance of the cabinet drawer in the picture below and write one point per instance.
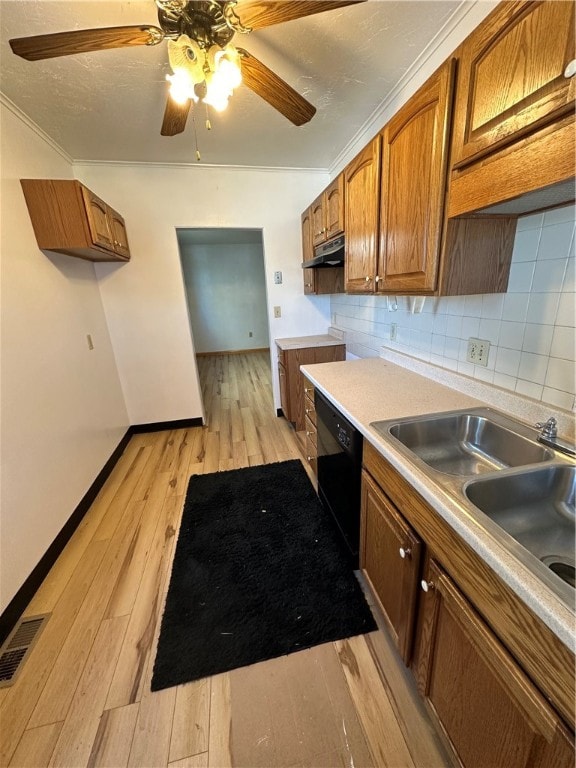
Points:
(311, 434)
(310, 447)
(310, 411)
(281, 356)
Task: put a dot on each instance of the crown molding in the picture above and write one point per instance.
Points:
(23, 117)
(196, 166)
(380, 115)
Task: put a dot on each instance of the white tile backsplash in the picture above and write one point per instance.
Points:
(530, 328)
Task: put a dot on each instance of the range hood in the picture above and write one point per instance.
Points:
(329, 254)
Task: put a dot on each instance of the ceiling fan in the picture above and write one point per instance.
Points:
(205, 64)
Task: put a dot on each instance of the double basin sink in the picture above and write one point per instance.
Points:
(518, 489)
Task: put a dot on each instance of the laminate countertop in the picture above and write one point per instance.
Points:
(303, 342)
(374, 389)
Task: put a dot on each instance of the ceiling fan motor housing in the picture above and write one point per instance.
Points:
(201, 20)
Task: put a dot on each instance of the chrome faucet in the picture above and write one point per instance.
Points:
(549, 436)
(549, 428)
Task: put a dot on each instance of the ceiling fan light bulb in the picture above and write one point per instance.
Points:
(181, 87)
(230, 72)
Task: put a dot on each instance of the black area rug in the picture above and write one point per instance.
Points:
(259, 572)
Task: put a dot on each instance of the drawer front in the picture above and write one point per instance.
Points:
(281, 356)
(310, 446)
(311, 434)
(310, 411)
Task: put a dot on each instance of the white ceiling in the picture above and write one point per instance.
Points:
(109, 105)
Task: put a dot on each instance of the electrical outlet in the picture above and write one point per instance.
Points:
(250, 334)
(478, 351)
(278, 278)
(277, 312)
(90, 342)
(393, 331)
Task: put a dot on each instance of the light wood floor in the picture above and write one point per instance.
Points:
(83, 697)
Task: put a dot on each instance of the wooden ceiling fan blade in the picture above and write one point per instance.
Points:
(175, 116)
(274, 90)
(84, 41)
(256, 14)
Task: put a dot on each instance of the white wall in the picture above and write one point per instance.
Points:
(530, 328)
(62, 407)
(226, 290)
(145, 300)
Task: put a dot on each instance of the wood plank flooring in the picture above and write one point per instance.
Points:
(83, 697)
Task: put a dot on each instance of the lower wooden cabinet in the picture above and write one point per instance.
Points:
(390, 560)
(291, 379)
(477, 652)
(490, 711)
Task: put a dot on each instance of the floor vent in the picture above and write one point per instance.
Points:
(17, 646)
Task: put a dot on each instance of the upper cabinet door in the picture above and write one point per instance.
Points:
(118, 232)
(318, 220)
(307, 250)
(334, 207)
(414, 170)
(96, 210)
(361, 184)
(512, 76)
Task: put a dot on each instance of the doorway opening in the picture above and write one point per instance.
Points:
(225, 283)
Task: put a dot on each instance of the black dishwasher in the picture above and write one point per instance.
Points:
(339, 471)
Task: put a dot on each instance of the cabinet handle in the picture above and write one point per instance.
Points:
(368, 278)
(377, 278)
(570, 70)
(406, 553)
(426, 585)
(309, 458)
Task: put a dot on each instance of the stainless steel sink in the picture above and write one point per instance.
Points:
(467, 443)
(515, 488)
(537, 508)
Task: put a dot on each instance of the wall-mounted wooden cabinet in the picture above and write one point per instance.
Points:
(329, 209)
(361, 186)
(398, 239)
(68, 218)
(415, 146)
(492, 133)
(514, 113)
(327, 212)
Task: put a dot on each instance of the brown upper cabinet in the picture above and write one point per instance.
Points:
(68, 218)
(397, 237)
(514, 111)
(327, 212)
(413, 183)
(361, 185)
(323, 220)
(512, 76)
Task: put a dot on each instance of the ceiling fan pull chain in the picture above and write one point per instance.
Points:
(198, 158)
(208, 123)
